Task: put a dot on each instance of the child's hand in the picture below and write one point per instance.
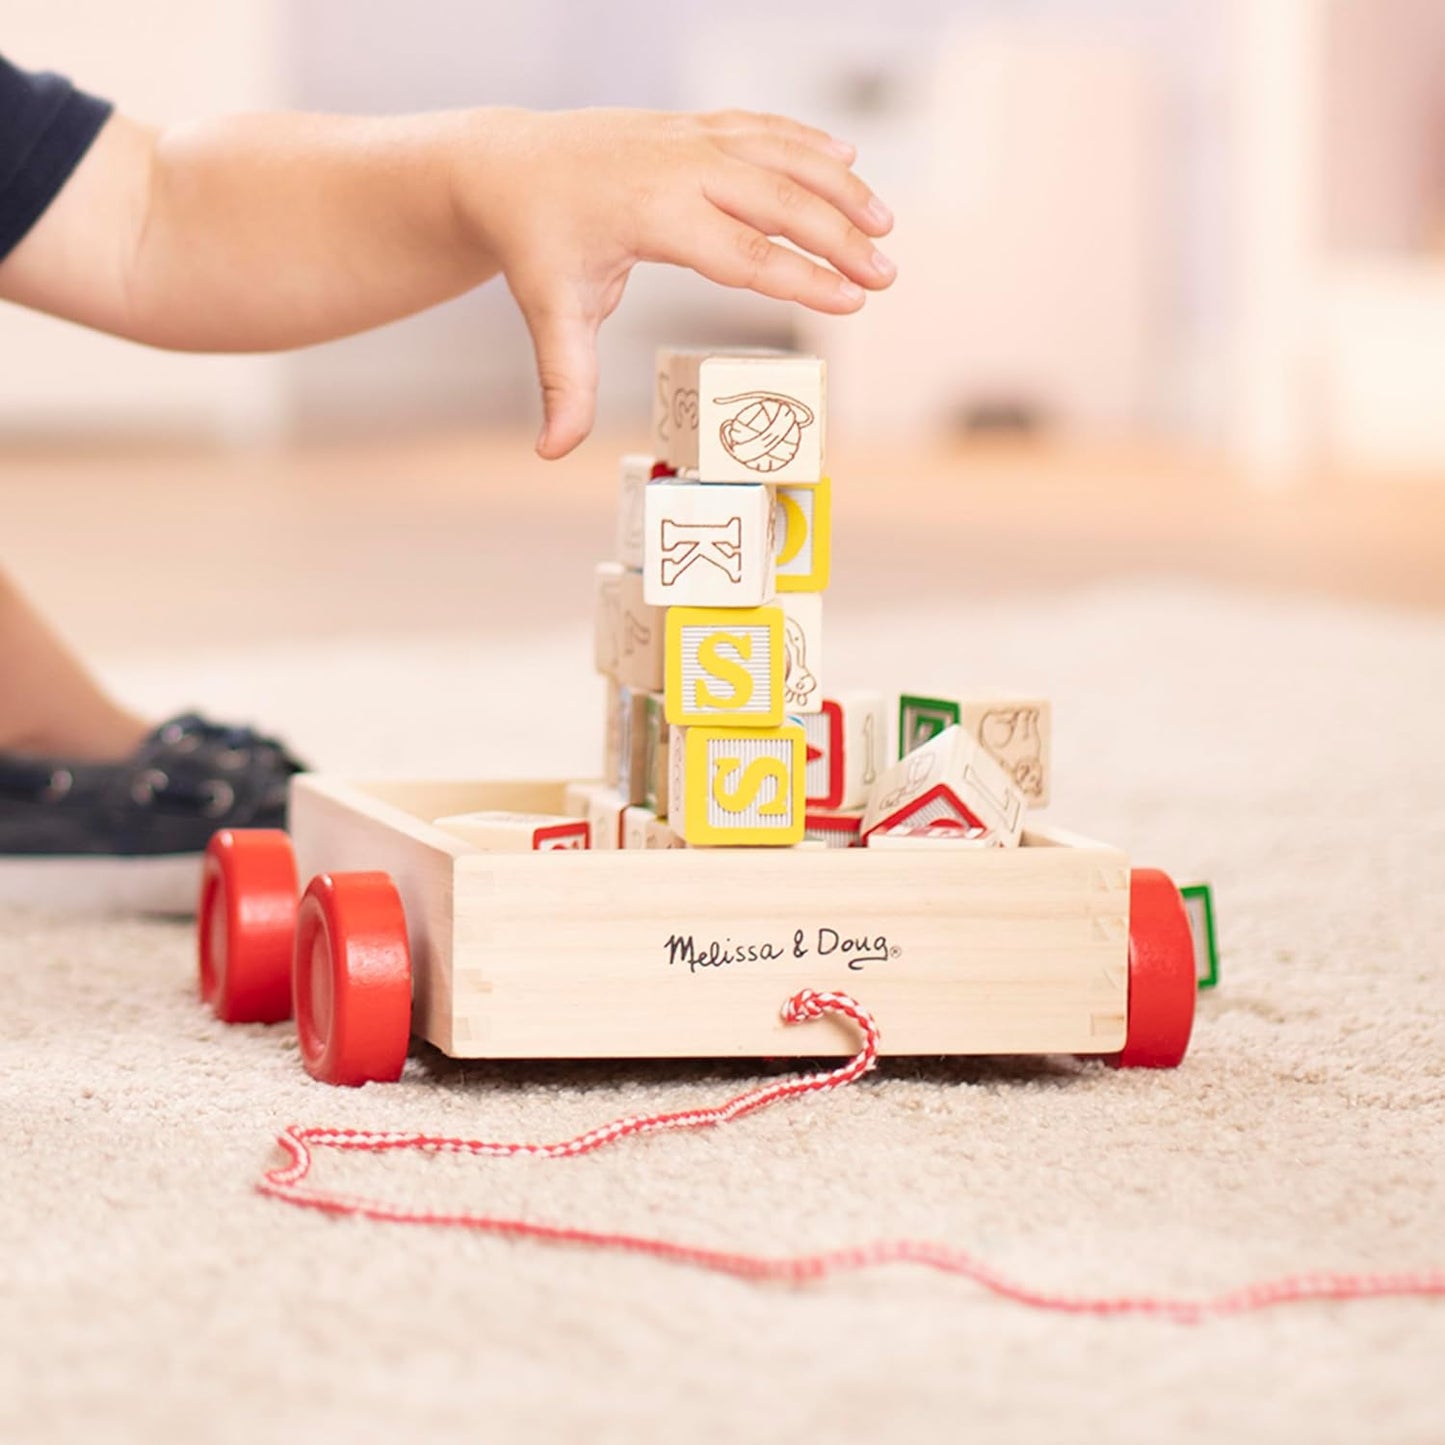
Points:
(567, 203)
(266, 232)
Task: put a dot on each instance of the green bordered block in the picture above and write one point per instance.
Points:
(1199, 905)
(921, 719)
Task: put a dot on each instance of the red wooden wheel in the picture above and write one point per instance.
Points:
(351, 979)
(245, 925)
(1162, 986)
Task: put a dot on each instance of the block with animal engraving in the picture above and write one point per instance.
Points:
(725, 666)
(675, 409)
(760, 418)
(498, 831)
(1014, 728)
(707, 546)
(803, 533)
(607, 617)
(737, 786)
(951, 777)
(640, 631)
(802, 651)
(847, 749)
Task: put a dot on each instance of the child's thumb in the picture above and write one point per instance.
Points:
(565, 341)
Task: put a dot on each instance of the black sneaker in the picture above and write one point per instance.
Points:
(129, 835)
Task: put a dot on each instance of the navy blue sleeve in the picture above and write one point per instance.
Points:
(46, 126)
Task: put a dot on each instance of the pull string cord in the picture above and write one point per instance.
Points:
(286, 1183)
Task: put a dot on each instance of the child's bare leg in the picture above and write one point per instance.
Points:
(50, 706)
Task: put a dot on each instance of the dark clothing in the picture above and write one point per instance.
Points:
(46, 126)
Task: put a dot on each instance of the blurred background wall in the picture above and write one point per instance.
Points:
(1219, 221)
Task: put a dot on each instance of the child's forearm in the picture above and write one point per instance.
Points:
(263, 232)
(254, 233)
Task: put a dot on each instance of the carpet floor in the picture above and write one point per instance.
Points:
(1287, 751)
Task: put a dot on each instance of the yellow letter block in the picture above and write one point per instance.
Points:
(725, 665)
(803, 528)
(742, 785)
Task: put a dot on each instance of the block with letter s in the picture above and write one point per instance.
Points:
(725, 666)
(739, 786)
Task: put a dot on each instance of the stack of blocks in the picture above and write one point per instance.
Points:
(709, 623)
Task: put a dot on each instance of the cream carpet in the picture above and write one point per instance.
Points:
(1288, 751)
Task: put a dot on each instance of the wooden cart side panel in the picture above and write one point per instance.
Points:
(692, 952)
(341, 827)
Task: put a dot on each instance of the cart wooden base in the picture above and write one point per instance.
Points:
(677, 953)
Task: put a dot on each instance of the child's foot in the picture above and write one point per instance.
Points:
(129, 835)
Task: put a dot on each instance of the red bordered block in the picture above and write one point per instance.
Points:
(503, 832)
(847, 746)
(951, 778)
(940, 833)
(835, 829)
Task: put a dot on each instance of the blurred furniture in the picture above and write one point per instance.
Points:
(1339, 144)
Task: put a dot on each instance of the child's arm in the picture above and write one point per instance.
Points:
(272, 231)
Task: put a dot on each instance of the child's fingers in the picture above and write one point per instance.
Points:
(749, 122)
(824, 175)
(564, 338)
(733, 253)
(777, 206)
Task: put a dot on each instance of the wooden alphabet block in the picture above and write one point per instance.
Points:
(634, 473)
(1014, 728)
(951, 777)
(631, 745)
(802, 651)
(654, 754)
(503, 832)
(602, 808)
(628, 633)
(760, 418)
(804, 536)
(1199, 906)
(836, 828)
(607, 631)
(660, 834)
(639, 650)
(675, 408)
(707, 546)
(941, 833)
(604, 813)
(737, 785)
(575, 795)
(636, 821)
(725, 666)
(612, 734)
(847, 746)
(921, 719)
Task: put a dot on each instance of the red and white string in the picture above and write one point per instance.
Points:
(288, 1182)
